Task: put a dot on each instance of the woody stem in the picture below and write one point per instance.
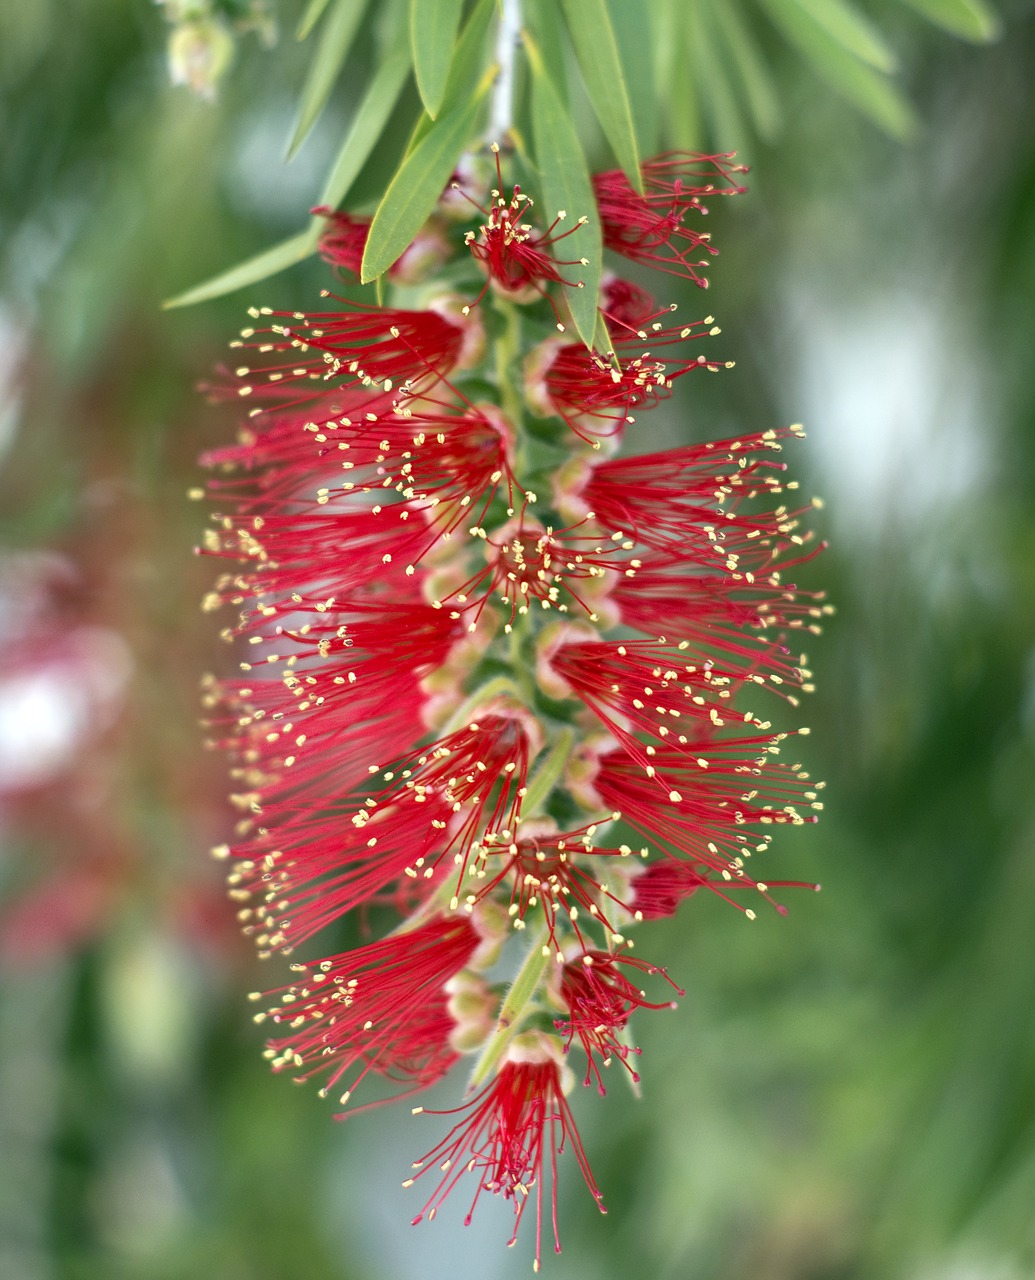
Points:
(506, 51)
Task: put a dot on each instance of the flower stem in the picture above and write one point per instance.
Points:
(548, 774)
(522, 990)
(506, 49)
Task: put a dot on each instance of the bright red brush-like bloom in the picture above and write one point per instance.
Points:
(512, 253)
(510, 1138)
(649, 228)
(600, 1000)
(595, 396)
(381, 1008)
(497, 681)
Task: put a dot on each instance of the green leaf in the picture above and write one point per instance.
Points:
(265, 264)
(433, 26)
(718, 99)
(749, 65)
(865, 88)
(596, 46)
(310, 18)
(414, 191)
(852, 31)
(545, 20)
(567, 186)
(338, 33)
(681, 122)
(632, 24)
(465, 69)
(367, 125)
(971, 19)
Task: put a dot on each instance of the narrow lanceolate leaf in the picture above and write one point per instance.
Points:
(545, 20)
(851, 30)
(465, 68)
(265, 264)
(971, 19)
(415, 189)
(749, 64)
(433, 26)
(596, 45)
(865, 88)
(335, 42)
(312, 15)
(566, 185)
(369, 122)
(719, 101)
(632, 24)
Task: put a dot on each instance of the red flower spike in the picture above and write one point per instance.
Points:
(513, 255)
(510, 1137)
(380, 1008)
(600, 1000)
(649, 228)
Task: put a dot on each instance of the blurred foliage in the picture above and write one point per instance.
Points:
(848, 1094)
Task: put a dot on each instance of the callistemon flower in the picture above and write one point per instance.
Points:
(507, 693)
(517, 259)
(650, 227)
(510, 1138)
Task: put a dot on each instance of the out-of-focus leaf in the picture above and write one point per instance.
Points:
(972, 19)
(268, 263)
(367, 125)
(865, 88)
(632, 24)
(681, 122)
(567, 186)
(851, 30)
(596, 46)
(433, 26)
(310, 18)
(718, 99)
(749, 64)
(544, 17)
(415, 189)
(338, 34)
(464, 70)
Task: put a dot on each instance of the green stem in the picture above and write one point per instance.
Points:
(515, 1006)
(548, 774)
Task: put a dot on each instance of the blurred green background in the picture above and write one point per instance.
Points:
(844, 1094)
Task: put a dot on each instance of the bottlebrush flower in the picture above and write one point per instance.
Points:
(380, 1008)
(510, 1138)
(497, 681)
(596, 396)
(512, 253)
(600, 999)
(649, 228)
(345, 238)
